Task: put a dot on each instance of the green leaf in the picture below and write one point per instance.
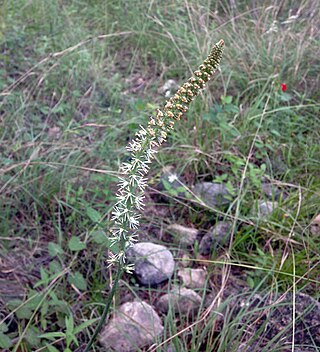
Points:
(24, 313)
(51, 348)
(5, 341)
(285, 97)
(3, 327)
(250, 282)
(52, 335)
(227, 99)
(93, 215)
(34, 299)
(99, 236)
(32, 336)
(69, 323)
(75, 244)
(78, 281)
(55, 267)
(54, 249)
(84, 325)
(44, 275)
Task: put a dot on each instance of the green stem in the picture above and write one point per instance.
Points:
(106, 308)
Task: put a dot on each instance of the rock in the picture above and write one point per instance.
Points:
(316, 220)
(271, 191)
(218, 235)
(153, 263)
(315, 226)
(134, 325)
(169, 88)
(266, 208)
(213, 194)
(181, 300)
(186, 260)
(184, 235)
(193, 278)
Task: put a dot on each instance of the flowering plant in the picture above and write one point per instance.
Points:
(132, 181)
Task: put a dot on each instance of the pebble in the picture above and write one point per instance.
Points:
(154, 263)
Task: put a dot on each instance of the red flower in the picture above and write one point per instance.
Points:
(283, 87)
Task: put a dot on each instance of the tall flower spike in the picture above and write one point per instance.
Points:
(132, 181)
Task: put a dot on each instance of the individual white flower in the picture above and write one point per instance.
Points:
(123, 183)
(134, 221)
(172, 178)
(126, 168)
(118, 212)
(129, 268)
(134, 146)
(137, 180)
(150, 155)
(139, 202)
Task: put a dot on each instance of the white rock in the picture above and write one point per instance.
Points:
(193, 278)
(185, 235)
(153, 263)
(181, 300)
(134, 325)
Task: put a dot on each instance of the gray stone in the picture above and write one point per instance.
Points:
(266, 208)
(219, 235)
(134, 325)
(186, 260)
(193, 278)
(184, 235)
(213, 194)
(169, 88)
(271, 191)
(180, 300)
(153, 263)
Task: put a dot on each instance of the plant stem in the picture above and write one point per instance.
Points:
(106, 308)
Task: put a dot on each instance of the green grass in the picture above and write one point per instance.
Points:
(76, 80)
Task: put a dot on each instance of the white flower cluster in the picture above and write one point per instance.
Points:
(132, 183)
(131, 195)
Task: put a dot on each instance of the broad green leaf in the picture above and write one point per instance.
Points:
(78, 281)
(24, 313)
(3, 327)
(75, 244)
(99, 237)
(34, 299)
(93, 215)
(226, 99)
(55, 267)
(32, 336)
(54, 249)
(5, 341)
(51, 348)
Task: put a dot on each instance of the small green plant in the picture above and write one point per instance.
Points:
(69, 335)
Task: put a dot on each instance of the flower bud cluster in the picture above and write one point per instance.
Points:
(132, 182)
